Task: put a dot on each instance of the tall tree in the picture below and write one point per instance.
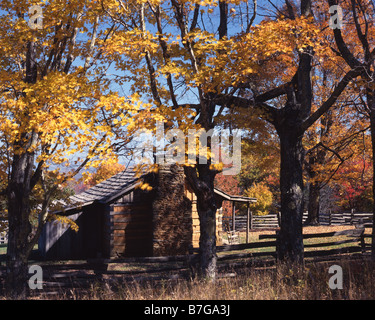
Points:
(356, 47)
(295, 116)
(56, 111)
(174, 74)
(335, 138)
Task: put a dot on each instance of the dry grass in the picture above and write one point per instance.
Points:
(252, 283)
(268, 283)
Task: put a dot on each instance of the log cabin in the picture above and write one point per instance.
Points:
(117, 218)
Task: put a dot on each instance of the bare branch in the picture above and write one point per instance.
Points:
(255, 6)
(92, 43)
(345, 52)
(349, 76)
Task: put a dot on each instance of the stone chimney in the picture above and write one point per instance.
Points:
(172, 217)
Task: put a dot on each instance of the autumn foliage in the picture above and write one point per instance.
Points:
(353, 190)
(74, 92)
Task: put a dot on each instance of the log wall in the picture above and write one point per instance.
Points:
(130, 229)
(195, 219)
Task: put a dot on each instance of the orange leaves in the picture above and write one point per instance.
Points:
(106, 169)
(275, 43)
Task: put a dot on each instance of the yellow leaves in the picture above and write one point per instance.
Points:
(264, 197)
(107, 167)
(134, 43)
(145, 186)
(65, 221)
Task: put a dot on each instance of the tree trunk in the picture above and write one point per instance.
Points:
(19, 231)
(19, 247)
(207, 243)
(19, 193)
(290, 241)
(371, 105)
(203, 187)
(313, 206)
(17, 272)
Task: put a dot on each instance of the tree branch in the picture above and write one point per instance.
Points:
(255, 5)
(349, 76)
(345, 52)
(267, 112)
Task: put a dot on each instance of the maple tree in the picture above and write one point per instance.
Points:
(336, 137)
(285, 101)
(354, 191)
(172, 69)
(356, 47)
(264, 196)
(57, 116)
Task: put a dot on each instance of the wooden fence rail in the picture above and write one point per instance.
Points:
(271, 221)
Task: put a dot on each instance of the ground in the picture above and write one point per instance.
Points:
(248, 276)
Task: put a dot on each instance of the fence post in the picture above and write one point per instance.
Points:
(351, 216)
(329, 217)
(248, 222)
(233, 216)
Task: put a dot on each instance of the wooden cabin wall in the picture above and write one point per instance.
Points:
(60, 242)
(130, 225)
(56, 240)
(195, 219)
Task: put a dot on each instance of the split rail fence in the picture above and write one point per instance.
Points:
(3, 237)
(271, 221)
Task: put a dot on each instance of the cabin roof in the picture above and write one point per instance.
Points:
(119, 185)
(107, 190)
(229, 197)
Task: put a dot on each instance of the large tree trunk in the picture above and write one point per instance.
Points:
(207, 243)
(313, 206)
(19, 193)
(203, 187)
(18, 250)
(290, 241)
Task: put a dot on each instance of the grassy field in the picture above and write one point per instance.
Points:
(268, 283)
(254, 237)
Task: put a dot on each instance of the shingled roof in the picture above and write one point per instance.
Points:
(104, 192)
(109, 189)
